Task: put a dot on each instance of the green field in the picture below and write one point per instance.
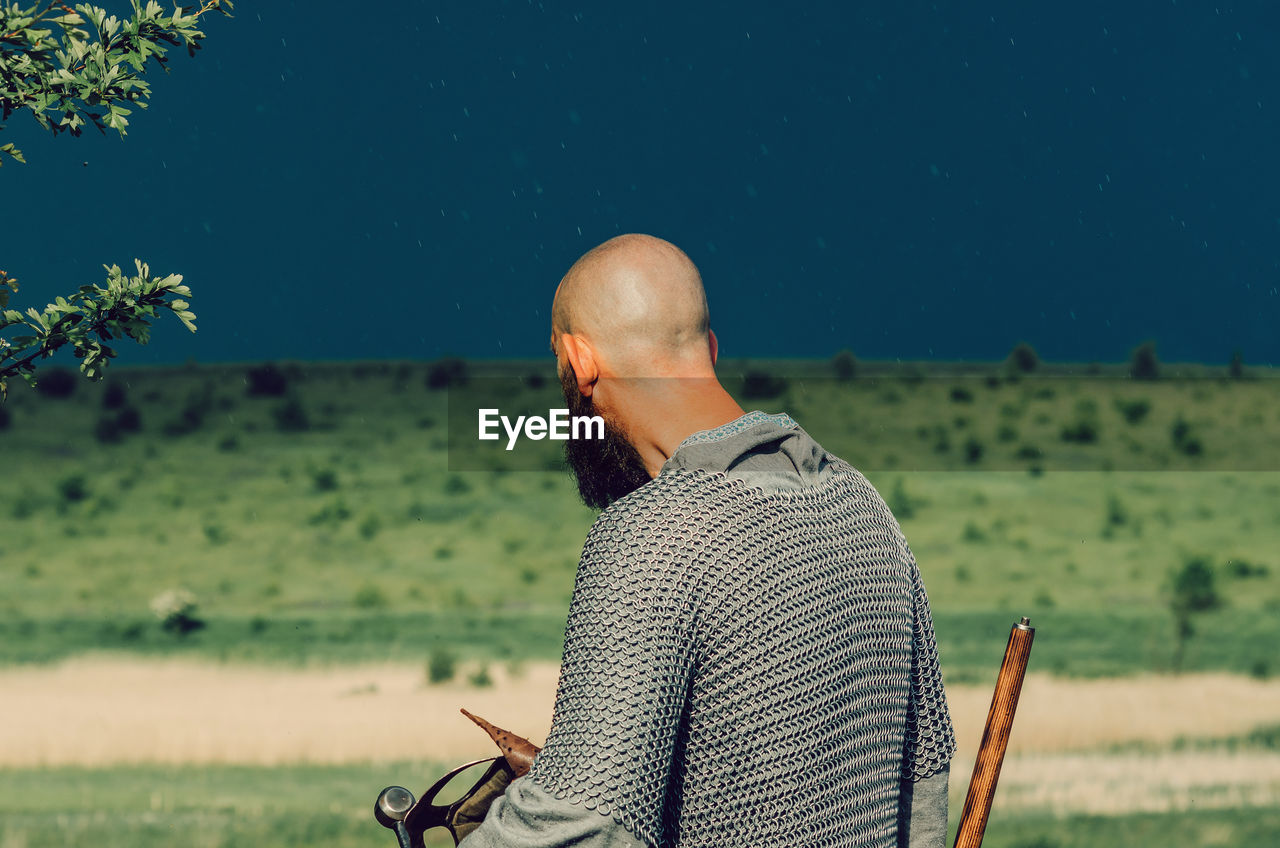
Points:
(324, 523)
(331, 524)
(285, 807)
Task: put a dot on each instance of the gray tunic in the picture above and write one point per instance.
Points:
(749, 660)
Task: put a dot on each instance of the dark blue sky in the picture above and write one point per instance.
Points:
(906, 180)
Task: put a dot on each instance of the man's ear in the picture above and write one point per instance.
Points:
(715, 345)
(583, 361)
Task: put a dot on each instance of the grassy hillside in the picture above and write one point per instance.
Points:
(313, 514)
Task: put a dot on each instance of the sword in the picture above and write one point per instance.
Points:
(397, 809)
(995, 736)
(409, 818)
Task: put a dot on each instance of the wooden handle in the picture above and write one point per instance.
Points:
(995, 737)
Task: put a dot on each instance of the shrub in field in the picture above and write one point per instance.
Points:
(1143, 364)
(973, 533)
(760, 385)
(1133, 410)
(114, 396)
(176, 609)
(1184, 440)
(266, 381)
(972, 450)
(1006, 433)
(324, 479)
(191, 417)
(845, 364)
(1235, 368)
(333, 513)
(942, 441)
(960, 394)
(446, 373)
(291, 416)
(1117, 515)
(1193, 592)
(902, 504)
(73, 488)
(228, 443)
(1083, 431)
(1243, 569)
(129, 420)
(455, 485)
(370, 526)
(1023, 358)
(480, 678)
(106, 431)
(442, 665)
(112, 428)
(369, 596)
(56, 383)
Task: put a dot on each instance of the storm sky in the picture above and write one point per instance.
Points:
(914, 181)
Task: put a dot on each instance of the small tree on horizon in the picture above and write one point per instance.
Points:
(1143, 365)
(1023, 358)
(1235, 368)
(845, 364)
(70, 68)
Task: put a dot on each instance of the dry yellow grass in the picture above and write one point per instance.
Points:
(1057, 714)
(108, 711)
(1118, 784)
(103, 711)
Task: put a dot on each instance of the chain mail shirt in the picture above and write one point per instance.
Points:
(747, 661)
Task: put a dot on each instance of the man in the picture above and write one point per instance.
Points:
(749, 657)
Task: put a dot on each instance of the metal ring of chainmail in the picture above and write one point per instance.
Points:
(747, 668)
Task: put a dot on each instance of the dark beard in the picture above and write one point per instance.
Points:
(606, 469)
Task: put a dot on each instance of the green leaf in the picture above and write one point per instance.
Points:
(12, 152)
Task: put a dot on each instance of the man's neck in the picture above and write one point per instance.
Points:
(706, 408)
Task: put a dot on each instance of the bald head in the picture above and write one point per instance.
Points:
(638, 301)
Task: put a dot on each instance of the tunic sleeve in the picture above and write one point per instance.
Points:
(930, 740)
(525, 816)
(624, 679)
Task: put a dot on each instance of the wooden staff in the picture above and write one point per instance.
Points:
(995, 737)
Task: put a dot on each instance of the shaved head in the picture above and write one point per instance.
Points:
(628, 311)
(639, 301)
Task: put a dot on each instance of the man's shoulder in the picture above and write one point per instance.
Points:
(680, 499)
(683, 505)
